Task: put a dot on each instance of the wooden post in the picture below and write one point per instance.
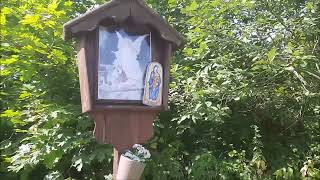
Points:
(116, 159)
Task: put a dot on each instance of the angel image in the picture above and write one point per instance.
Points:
(125, 58)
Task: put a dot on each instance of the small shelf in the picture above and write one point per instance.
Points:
(128, 108)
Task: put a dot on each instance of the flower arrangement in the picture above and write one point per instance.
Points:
(137, 153)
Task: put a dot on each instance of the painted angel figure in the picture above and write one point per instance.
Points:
(123, 59)
(154, 84)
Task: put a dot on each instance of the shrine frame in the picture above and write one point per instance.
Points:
(161, 53)
(97, 59)
(120, 13)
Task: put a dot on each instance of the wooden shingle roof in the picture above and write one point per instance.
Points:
(120, 10)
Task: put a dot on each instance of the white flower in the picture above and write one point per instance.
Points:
(138, 147)
(25, 148)
(108, 177)
(304, 170)
(138, 153)
(147, 155)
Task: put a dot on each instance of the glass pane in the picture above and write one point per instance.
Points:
(123, 60)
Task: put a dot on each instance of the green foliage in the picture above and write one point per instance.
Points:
(245, 89)
(244, 95)
(42, 131)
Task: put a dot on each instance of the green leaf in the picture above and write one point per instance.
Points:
(52, 158)
(18, 122)
(30, 19)
(272, 54)
(192, 7)
(10, 113)
(25, 94)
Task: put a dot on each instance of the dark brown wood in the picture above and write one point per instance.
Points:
(89, 74)
(166, 74)
(91, 56)
(161, 53)
(95, 59)
(122, 128)
(85, 57)
(127, 107)
(120, 10)
(134, 17)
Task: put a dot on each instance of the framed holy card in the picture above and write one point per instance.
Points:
(153, 85)
(122, 65)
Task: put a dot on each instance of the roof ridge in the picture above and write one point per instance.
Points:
(120, 10)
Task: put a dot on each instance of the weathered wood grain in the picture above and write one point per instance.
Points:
(123, 129)
(86, 99)
(167, 52)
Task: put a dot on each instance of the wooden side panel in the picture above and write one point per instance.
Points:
(157, 55)
(167, 48)
(161, 52)
(123, 129)
(91, 63)
(86, 100)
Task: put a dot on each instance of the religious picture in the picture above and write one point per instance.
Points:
(153, 85)
(123, 60)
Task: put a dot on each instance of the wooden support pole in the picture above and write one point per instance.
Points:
(116, 159)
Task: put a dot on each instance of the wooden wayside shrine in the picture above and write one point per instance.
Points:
(112, 69)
